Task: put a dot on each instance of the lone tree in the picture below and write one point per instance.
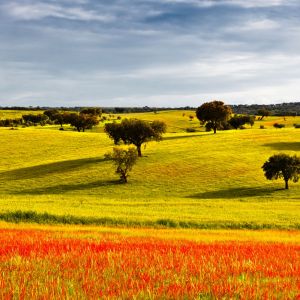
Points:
(124, 160)
(213, 113)
(136, 132)
(263, 112)
(282, 166)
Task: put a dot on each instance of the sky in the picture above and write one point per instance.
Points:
(163, 53)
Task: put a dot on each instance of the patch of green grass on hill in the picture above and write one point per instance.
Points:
(196, 180)
(15, 114)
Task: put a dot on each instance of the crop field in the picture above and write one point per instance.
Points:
(196, 220)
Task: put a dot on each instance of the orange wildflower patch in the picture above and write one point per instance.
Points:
(36, 264)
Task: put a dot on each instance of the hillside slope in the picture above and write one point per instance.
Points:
(198, 179)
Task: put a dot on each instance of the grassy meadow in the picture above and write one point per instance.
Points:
(189, 181)
(195, 179)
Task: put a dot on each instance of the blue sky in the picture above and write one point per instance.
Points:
(148, 52)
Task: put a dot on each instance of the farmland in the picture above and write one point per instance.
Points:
(186, 210)
(194, 179)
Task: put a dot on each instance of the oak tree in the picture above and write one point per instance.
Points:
(136, 132)
(282, 166)
(213, 113)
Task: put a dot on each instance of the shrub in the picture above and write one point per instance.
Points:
(261, 127)
(277, 125)
(190, 129)
(124, 160)
(297, 125)
(237, 121)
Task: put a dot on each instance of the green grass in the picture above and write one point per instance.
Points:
(15, 114)
(198, 180)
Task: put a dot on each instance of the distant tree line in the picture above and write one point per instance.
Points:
(282, 109)
(85, 119)
(108, 110)
(11, 122)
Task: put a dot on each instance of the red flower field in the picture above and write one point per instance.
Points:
(45, 264)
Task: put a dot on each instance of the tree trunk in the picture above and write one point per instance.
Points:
(286, 184)
(139, 150)
(215, 129)
(123, 177)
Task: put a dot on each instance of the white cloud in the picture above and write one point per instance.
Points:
(255, 3)
(38, 11)
(241, 3)
(265, 24)
(254, 25)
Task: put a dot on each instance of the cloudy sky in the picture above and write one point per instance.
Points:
(148, 52)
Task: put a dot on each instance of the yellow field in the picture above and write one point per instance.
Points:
(198, 179)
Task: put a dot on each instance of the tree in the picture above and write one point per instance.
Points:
(213, 113)
(82, 121)
(59, 119)
(251, 120)
(50, 113)
(239, 120)
(263, 112)
(124, 160)
(282, 166)
(136, 132)
(36, 119)
(114, 131)
(95, 111)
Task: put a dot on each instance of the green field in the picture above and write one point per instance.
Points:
(193, 179)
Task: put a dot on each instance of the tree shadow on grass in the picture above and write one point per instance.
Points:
(292, 146)
(185, 136)
(234, 193)
(51, 168)
(64, 188)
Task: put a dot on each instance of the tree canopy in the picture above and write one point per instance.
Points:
(239, 120)
(263, 112)
(282, 166)
(81, 121)
(95, 111)
(213, 113)
(136, 132)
